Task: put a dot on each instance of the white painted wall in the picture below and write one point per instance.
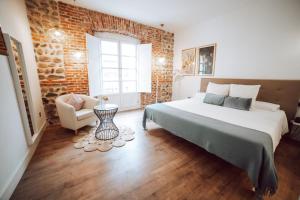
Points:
(259, 41)
(13, 20)
(14, 152)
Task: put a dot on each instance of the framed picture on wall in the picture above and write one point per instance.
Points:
(188, 61)
(206, 56)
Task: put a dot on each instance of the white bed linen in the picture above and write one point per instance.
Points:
(273, 123)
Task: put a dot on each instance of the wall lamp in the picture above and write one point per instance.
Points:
(160, 61)
(77, 55)
(56, 34)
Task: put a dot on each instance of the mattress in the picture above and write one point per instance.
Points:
(273, 123)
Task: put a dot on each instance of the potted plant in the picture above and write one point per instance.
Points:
(105, 99)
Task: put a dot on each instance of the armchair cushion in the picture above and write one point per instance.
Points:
(89, 102)
(84, 113)
(76, 101)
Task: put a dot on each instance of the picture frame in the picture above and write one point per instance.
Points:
(188, 58)
(206, 56)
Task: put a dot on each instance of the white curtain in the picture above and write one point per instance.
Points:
(94, 65)
(144, 65)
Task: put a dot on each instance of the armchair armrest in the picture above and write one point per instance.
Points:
(66, 114)
(90, 102)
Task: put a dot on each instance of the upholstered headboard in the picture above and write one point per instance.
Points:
(286, 93)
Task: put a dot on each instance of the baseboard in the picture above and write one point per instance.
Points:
(18, 173)
(130, 108)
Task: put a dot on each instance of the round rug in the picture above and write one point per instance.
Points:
(87, 141)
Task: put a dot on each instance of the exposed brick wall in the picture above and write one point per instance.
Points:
(60, 73)
(3, 50)
(43, 15)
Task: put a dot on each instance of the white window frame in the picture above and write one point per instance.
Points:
(119, 39)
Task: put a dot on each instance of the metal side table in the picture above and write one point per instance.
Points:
(107, 129)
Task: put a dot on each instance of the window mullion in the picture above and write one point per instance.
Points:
(101, 66)
(120, 68)
(136, 72)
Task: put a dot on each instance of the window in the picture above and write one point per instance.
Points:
(128, 65)
(118, 65)
(118, 61)
(110, 66)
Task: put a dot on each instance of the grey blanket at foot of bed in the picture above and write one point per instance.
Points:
(246, 148)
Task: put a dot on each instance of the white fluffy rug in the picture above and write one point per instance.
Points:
(87, 141)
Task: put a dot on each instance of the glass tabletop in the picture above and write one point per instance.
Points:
(106, 107)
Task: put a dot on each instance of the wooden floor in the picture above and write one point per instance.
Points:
(156, 165)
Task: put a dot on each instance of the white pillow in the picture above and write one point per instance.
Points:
(244, 91)
(219, 89)
(267, 106)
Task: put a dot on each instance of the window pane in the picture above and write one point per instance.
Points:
(128, 49)
(129, 74)
(110, 87)
(128, 62)
(110, 74)
(109, 61)
(108, 47)
(128, 86)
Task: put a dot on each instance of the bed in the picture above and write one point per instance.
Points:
(246, 139)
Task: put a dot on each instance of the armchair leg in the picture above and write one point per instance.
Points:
(76, 132)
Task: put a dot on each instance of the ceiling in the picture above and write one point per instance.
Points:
(174, 14)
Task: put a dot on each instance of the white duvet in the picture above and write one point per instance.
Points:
(273, 123)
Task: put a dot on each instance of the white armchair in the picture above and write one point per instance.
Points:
(71, 119)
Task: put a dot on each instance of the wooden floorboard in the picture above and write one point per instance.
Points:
(156, 165)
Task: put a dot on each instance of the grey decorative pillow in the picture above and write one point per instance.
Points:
(238, 103)
(214, 99)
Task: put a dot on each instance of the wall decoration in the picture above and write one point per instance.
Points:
(188, 61)
(206, 60)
